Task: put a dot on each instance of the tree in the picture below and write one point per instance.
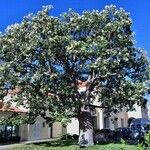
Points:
(46, 58)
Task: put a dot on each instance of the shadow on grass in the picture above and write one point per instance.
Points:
(104, 143)
(70, 142)
(58, 143)
(61, 143)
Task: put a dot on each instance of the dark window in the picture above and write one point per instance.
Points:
(106, 122)
(7, 131)
(44, 124)
(2, 131)
(115, 123)
(95, 122)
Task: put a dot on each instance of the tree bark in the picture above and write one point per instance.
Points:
(86, 128)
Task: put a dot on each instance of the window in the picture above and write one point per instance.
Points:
(106, 122)
(95, 122)
(15, 131)
(115, 123)
(2, 131)
(122, 122)
(44, 124)
(8, 131)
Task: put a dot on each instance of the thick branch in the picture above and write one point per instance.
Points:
(104, 76)
(96, 106)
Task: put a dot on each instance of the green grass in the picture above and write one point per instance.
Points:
(74, 147)
(69, 145)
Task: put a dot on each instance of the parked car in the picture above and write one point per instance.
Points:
(123, 132)
(138, 128)
(103, 135)
(142, 125)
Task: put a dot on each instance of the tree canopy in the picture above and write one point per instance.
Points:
(46, 58)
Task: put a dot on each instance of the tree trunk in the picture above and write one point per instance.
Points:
(86, 128)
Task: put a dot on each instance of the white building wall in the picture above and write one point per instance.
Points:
(73, 127)
(57, 129)
(111, 123)
(24, 132)
(116, 120)
(144, 112)
(138, 112)
(122, 119)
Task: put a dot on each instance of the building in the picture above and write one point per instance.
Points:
(138, 112)
(27, 132)
(41, 130)
(101, 121)
(113, 121)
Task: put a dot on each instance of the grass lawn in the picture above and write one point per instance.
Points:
(70, 145)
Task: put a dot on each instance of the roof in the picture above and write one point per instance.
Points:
(81, 84)
(13, 109)
(16, 109)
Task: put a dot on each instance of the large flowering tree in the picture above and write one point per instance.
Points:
(46, 58)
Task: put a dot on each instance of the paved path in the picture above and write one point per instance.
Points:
(9, 146)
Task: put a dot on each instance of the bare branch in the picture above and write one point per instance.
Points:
(104, 76)
(96, 106)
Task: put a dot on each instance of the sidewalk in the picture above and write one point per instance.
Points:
(9, 146)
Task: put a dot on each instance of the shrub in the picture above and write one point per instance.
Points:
(66, 137)
(104, 135)
(147, 139)
(123, 142)
(75, 136)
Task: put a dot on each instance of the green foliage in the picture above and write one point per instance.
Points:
(147, 139)
(66, 137)
(46, 57)
(145, 145)
(141, 147)
(124, 145)
(14, 119)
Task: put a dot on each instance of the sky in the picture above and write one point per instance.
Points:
(12, 11)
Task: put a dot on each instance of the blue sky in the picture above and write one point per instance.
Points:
(12, 11)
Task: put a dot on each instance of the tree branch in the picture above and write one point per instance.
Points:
(104, 76)
(96, 106)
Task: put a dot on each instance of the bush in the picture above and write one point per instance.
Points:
(104, 135)
(15, 139)
(75, 136)
(146, 141)
(66, 137)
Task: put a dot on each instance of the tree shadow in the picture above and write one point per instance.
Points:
(58, 143)
(104, 143)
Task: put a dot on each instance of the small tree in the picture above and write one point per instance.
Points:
(46, 58)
